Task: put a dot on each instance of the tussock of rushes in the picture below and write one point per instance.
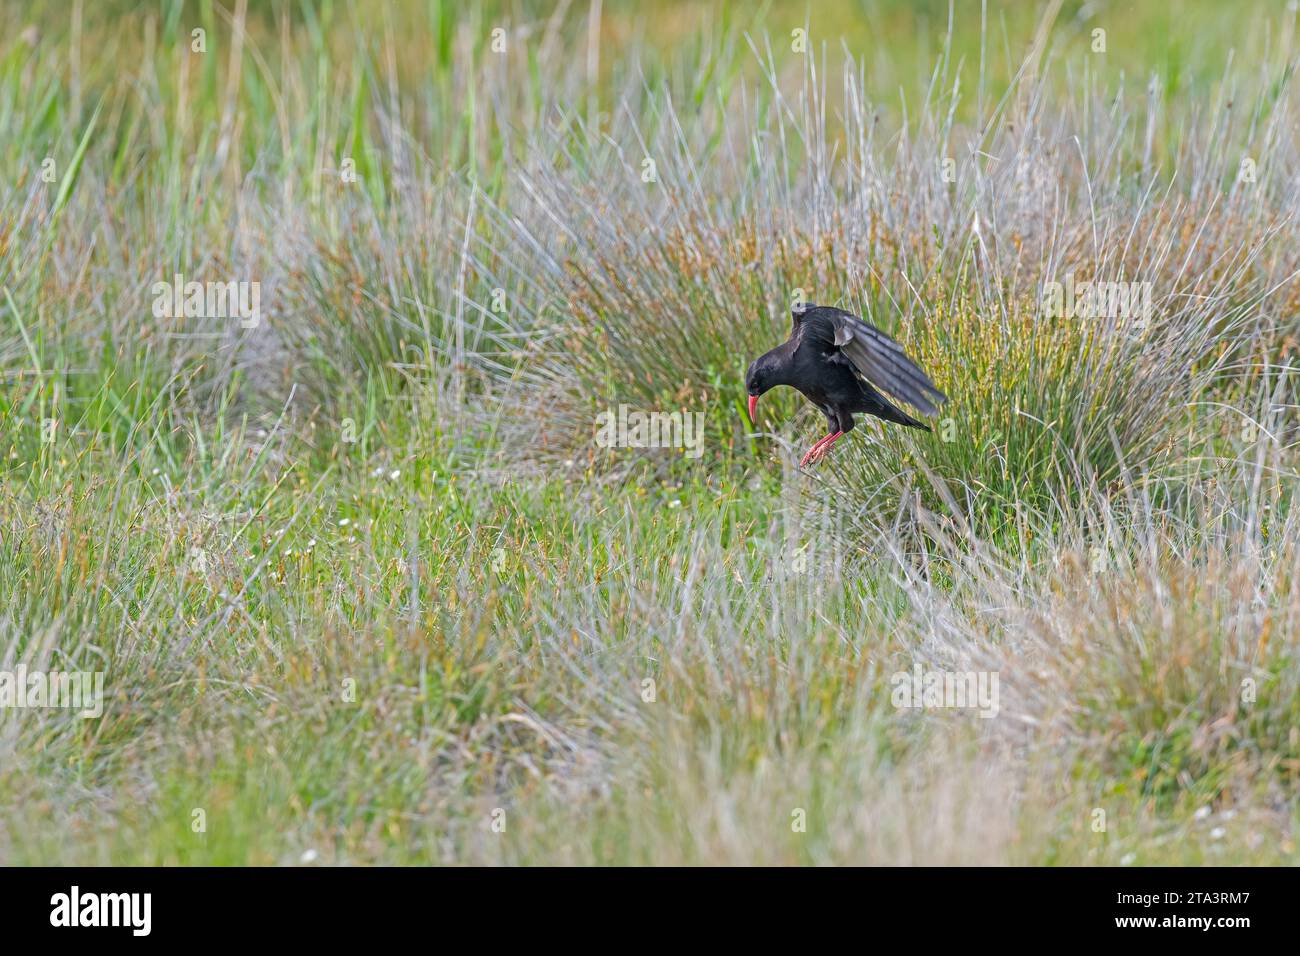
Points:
(667, 289)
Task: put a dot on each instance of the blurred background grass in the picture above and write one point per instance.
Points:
(321, 61)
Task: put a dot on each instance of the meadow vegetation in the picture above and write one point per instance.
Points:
(365, 589)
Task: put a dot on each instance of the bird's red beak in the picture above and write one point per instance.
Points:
(753, 404)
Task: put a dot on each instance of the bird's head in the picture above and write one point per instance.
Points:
(799, 308)
(760, 377)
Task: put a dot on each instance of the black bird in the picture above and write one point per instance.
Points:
(838, 362)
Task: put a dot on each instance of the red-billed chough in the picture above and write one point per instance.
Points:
(838, 362)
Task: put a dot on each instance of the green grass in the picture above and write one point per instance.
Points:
(363, 585)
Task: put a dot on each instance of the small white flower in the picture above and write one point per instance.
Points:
(675, 503)
(308, 856)
(1202, 813)
(394, 475)
(1218, 833)
(343, 522)
(1128, 859)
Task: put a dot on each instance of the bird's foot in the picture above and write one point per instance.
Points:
(808, 455)
(824, 448)
(818, 451)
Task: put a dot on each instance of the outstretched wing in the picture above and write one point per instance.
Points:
(874, 356)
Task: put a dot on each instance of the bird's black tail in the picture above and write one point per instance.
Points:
(892, 413)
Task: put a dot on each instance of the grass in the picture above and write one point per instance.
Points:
(363, 586)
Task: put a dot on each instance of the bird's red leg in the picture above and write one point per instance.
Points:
(808, 455)
(823, 446)
(812, 452)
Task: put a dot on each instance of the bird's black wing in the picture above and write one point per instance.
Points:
(875, 357)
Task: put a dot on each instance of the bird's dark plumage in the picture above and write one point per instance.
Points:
(843, 365)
